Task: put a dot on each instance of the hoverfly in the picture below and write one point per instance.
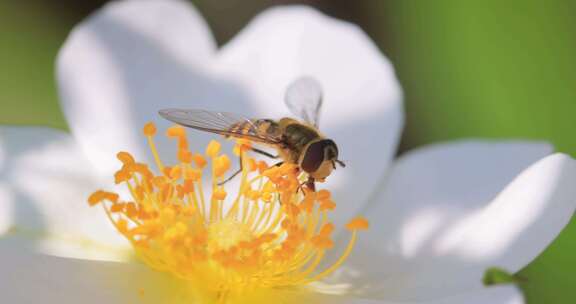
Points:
(297, 142)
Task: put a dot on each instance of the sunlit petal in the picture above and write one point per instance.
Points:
(35, 278)
(124, 63)
(44, 184)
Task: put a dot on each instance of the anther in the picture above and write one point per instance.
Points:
(358, 223)
(149, 129)
(213, 149)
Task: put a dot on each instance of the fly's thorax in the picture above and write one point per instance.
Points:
(268, 127)
(297, 136)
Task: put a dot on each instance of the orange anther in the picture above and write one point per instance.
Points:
(188, 186)
(291, 210)
(111, 196)
(327, 229)
(159, 181)
(287, 168)
(175, 172)
(176, 131)
(185, 156)
(252, 194)
(262, 166)
(267, 237)
(121, 176)
(192, 174)
(125, 158)
(358, 223)
(213, 148)
(118, 207)
(323, 195)
(167, 170)
(183, 143)
(150, 129)
(219, 194)
(200, 160)
(322, 242)
(327, 205)
(131, 210)
(96, 197)
(142, 169)
(221, 165)
(224, 162)
(266, 196)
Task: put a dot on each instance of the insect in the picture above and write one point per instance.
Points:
(297, 142)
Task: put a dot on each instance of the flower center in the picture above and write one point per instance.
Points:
(273, 234)
(224, 234)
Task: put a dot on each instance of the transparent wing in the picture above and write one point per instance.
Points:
(304, 99)
(223, 123)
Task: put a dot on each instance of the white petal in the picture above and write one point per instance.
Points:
(362, 108)
(34, 278)
(428, 193)
(523, 219)
(44, 185)
(126, 62)
(503, 294)
(429, 190)
(493, 295)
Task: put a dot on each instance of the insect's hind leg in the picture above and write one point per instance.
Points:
(233, 175)
(241, 164)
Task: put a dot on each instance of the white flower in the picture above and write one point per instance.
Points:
(440, 215)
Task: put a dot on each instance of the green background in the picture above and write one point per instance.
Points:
(491, 69)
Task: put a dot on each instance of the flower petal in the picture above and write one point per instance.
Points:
(503, 294)
(431, 189)
(126, 62)
(44, 185)
(451, 223)
(34, 278)
(494, 295)
(362, 107)
(523, 219)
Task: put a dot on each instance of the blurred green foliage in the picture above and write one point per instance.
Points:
(495, 69)
(490, 69)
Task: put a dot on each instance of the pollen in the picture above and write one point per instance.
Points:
(270, 233)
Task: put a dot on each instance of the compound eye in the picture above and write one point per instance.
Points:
(313, 157)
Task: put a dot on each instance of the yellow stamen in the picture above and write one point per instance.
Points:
(273, 236)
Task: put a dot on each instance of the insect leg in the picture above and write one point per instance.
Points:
(309, 185)
(233, 175)
(264, 153)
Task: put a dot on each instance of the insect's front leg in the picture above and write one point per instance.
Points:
(310, 185)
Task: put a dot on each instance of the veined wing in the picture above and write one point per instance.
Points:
(304, 99)
(223, 123)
